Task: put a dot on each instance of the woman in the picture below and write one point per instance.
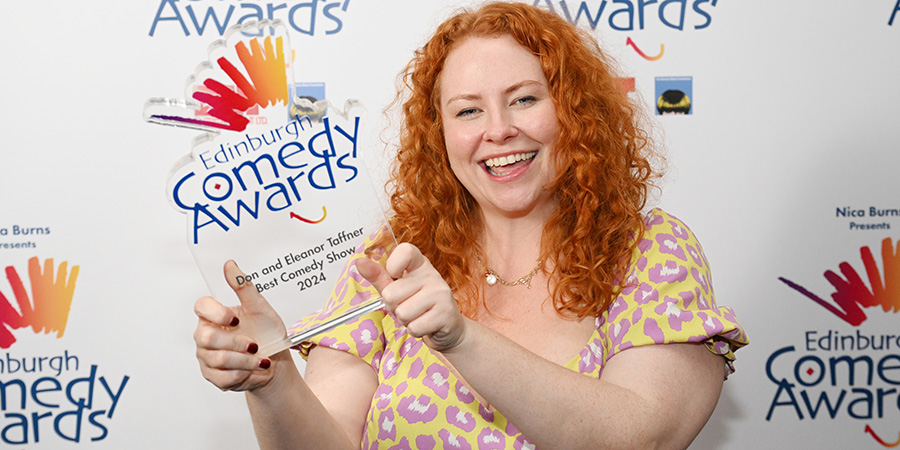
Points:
(519, 157)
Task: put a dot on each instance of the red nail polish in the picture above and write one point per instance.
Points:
(235, 322)
(252, 348)
(264, 363)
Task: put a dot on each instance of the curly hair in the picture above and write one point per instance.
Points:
(601, 156)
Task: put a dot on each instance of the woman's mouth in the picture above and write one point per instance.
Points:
(503, 165)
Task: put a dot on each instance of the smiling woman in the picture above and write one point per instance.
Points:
(529, 287)
(499, 125)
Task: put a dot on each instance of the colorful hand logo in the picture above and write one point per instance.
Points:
(851, 293)
(266, 67)
(52, 300)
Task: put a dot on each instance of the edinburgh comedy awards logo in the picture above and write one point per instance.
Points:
(846, 373)
(51, 395)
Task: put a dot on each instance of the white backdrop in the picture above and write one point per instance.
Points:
(790, 147)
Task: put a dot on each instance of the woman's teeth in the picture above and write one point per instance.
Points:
(506, 160)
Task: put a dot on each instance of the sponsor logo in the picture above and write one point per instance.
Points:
(674, 96)
(627, 84)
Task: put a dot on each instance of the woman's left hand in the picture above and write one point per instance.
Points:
(417, 295)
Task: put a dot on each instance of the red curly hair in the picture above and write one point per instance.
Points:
(602, 160)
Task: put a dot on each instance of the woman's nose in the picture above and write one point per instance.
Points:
(500, 127)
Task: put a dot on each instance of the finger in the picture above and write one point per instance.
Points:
(404, 288)
(374, 273)
(242, 286)
(427, 323)
(227, 360)
(405, 258)
(440, 334)
(210, 310)
(212, 337)
(408, 311)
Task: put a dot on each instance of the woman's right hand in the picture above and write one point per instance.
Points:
(228, 338)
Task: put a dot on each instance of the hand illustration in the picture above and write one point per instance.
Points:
(52, 300)
(851, 293)
(265, 65)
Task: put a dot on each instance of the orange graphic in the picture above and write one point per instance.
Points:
(302, 219)
(878, 439)
(48, 308)
(662, 49)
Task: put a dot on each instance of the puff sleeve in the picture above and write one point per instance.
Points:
(669, 298)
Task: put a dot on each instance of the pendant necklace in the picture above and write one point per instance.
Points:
(491, 277)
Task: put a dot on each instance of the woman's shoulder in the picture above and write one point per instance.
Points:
(657, 220)
(667, 237)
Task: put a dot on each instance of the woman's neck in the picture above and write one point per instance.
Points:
(512, 245)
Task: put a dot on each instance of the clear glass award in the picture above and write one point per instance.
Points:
(276, 181)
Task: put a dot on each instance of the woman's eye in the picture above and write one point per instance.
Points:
(466, 112)
(526, 99)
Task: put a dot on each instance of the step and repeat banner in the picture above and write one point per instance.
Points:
(781, 128)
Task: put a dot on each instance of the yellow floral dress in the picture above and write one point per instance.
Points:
(420, 404)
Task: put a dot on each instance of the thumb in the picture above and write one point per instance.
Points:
(243, 286)
(374, 273)
(257, 317)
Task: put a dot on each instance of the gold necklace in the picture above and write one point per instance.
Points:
(491, 277)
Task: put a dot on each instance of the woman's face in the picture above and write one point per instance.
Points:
(500, 125)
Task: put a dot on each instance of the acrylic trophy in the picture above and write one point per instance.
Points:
(276, 182)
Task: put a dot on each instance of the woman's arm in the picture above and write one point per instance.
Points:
(287, 411)
(649, 397)
(328, 411)
(657, 396)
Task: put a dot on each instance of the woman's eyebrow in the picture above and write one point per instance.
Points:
(508, 90)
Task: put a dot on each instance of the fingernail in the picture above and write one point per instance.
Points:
(235, 322)
(252, 348)
(264, 363)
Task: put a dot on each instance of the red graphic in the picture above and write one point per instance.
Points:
(324, 215)
(51, 300)
(662, 49)
(879, 440)
(206, 108)
(851, 293)
(267, 85)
